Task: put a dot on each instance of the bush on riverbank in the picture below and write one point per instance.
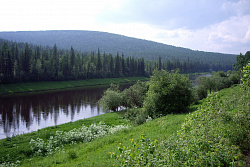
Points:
(169, 92)
(133, 97)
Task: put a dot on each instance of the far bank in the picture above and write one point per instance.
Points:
(41, 87)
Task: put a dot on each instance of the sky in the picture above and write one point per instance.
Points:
(206, 25)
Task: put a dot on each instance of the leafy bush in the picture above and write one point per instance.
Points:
(137, 116)
(246, 76)
(111, 100)
(140, 153)
(134, 96)
(206, 82)
(234, 77)
(168, 93)
(200, 92)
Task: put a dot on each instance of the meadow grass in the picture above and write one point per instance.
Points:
(97, 152)
(38, 87)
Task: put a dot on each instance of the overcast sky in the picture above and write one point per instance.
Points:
(207, 25)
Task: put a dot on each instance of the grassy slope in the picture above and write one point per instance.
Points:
(31, 87)
(96, 153)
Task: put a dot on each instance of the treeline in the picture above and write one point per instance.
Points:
(21, 62)
(25, 62)
(185, 66)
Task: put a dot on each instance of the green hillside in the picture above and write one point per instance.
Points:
(87, 41)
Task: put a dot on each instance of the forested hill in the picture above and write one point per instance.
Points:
(87, 41)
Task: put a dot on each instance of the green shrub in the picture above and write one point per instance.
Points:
(139, 153)
(134, 96)
(111, 100)
(137, 116)
(234, 78)
(200, 92)
(168, 93)
(246, 76)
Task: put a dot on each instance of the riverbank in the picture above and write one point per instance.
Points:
(95, 153)
(41, 87)
(217, 131)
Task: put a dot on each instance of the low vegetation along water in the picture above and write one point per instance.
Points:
(27, 113)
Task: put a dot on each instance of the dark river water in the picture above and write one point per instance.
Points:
(23, 114)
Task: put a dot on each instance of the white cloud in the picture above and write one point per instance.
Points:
(51, 14)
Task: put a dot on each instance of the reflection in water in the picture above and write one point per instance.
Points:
(28, 113)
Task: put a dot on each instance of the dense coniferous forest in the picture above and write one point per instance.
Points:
(87, 41)
(21, 62)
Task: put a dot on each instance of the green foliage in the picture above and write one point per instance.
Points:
(24, 62)
(140, 153)
(242, 61)
(206, 83)
(217, 134)
(84, 134)
(200, 92)
(219, 80)
(134, 96)
(136, 116)
(96, 152)
(111, 100)
(168, 93)
(246, 77)
(234, 77)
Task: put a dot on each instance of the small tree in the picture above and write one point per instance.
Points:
(206, 82)
(134, 96)
(111, 100)
(200, 92)
(168, 93)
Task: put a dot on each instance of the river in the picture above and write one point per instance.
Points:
(24, 114)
